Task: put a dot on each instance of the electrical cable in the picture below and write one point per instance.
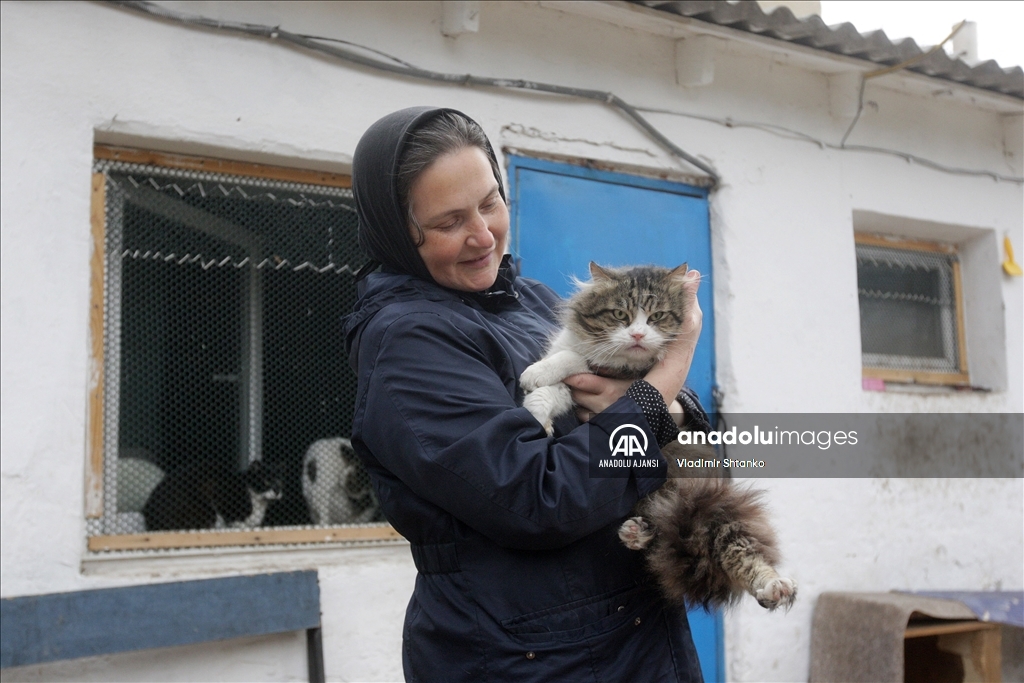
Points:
(404, 69)
(361, 47)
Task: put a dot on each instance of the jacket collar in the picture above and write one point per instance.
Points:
(386, 287)
(502, 292)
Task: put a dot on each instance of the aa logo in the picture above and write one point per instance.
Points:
(628, 440)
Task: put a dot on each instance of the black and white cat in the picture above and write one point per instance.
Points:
(336, 488)
(206, 495)
(706, 540)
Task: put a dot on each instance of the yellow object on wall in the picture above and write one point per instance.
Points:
(1009, 265)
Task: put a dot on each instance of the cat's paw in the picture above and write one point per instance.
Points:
(547, 403)
(779, 592)
(536, 376)
(635, 533)
(539, 405)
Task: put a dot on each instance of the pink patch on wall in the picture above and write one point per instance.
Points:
(872, 384)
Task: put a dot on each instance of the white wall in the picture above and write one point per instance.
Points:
(785, 279)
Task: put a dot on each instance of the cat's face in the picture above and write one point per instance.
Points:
(264, 481)
(626, 317)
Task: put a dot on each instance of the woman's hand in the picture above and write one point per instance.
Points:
(593, 393)
(670, 373)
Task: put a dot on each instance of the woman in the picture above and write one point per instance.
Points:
(521, 572)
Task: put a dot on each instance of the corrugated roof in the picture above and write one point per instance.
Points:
(844, 39)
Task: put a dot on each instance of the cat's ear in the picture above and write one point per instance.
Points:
(599, 273)
(679, 271)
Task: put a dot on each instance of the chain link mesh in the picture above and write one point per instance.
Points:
(908, 309)
(228, 397)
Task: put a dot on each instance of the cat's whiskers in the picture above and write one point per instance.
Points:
(616, 355)
(601, 353)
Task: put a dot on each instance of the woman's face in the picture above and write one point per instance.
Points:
(464, 220)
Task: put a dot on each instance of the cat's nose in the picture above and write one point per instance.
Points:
(637, 335)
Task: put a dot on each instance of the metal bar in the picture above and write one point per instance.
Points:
(315, 654)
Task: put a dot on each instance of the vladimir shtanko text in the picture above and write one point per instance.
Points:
(714, 463)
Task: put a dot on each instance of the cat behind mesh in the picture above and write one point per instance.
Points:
(207, 495)
(336, 488)
(706, 541)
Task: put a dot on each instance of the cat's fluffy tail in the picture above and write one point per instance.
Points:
(712, 540)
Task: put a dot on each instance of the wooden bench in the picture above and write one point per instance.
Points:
(44, 628)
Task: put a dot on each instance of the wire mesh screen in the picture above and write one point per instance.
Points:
(908, 309)
(228, 396)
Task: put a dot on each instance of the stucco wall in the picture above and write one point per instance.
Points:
(784, 280)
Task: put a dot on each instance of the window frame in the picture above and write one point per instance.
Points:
(922, 376)
(96, 425)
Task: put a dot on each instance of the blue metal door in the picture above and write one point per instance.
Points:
(565, 216)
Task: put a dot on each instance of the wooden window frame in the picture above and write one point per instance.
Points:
(930, 377)
(96, 419)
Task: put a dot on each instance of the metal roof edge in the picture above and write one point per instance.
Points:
(842, 40)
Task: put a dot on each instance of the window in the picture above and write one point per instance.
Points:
(911, 311)
(222, 398)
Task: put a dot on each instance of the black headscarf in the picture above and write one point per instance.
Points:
(383, 225)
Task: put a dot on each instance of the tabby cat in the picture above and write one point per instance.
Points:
(706, 540)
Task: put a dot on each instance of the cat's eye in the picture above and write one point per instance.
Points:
(656, 316)
(620, 314)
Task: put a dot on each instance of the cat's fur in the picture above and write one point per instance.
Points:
(336, 488)
(706, 541)
(137, 475)
(205, 495)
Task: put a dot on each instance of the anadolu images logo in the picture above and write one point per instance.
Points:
(624, 441)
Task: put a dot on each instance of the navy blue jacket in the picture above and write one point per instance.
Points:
(522, 576)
